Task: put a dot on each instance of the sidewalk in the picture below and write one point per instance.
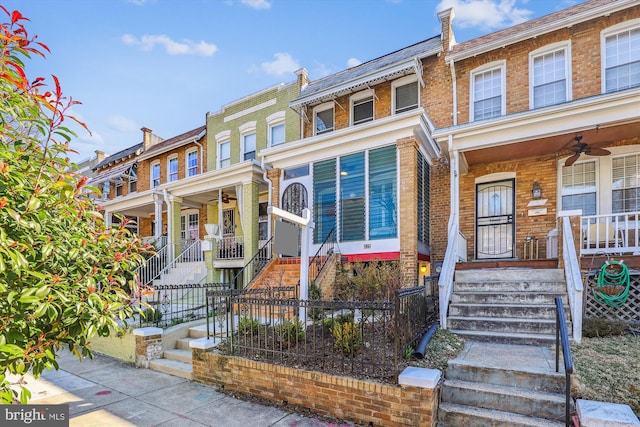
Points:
(105, 392)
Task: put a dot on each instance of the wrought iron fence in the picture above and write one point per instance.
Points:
(169, 305)
(358, 338)
(253, 267)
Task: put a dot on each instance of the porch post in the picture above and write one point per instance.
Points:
(250, 220)
(157, 200)
(173, 222)
(408, 212)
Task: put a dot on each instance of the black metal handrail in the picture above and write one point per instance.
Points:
(563, 337)
(322, 255)
(254, 266)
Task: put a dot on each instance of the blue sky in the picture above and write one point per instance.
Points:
(163, 64)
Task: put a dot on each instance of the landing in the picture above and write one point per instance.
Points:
(514, 357)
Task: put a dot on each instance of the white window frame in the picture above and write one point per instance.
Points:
(222, 138)
(607, 32)
(319, 109)
(118, 188)
(247, 129)
(495, 65)
(354, 99)
(402, 82)
(274, 120)
(545, 50)
(169, 173)
(151, 176)
(187, 168)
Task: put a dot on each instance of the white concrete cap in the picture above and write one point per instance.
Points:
(604, 414)
(147, 332)
(204, 343)
(420, 377)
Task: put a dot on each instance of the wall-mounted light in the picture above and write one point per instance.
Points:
(536, 191)
(423, 268)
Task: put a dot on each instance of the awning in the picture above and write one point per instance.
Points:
(116, 173)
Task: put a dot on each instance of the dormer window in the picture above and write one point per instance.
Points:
(323, 118)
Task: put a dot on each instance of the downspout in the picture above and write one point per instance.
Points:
(454, 90)
(201, 155)
(169, 222)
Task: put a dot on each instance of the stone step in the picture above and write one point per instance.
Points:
(173, 367)
(509, 274)
(532, 378)
(504, 324)
(183, 343)
(499, 287)
(531, 311)
(506, 337)
(178, 354)
(506, 297)
(199, 331)
(516, 400)
(453, 415)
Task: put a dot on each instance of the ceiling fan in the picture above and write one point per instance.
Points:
(225, 198)
(582, 147)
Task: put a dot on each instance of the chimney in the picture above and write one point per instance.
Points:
(448, 39)
(99, 156)
(146, 139)
(303, 77)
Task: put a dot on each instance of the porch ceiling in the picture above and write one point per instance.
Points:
(557, 144)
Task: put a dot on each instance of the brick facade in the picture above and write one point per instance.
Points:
(358, 401)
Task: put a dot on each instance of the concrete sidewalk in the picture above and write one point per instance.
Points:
(106, 392)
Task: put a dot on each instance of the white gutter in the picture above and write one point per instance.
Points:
(454, 90)
(270, 187)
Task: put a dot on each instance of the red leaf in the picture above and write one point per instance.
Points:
(16, 16)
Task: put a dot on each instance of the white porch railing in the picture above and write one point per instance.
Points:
(612, 233)
(575, 288)
(445, 281)
(462, 247)
(230, 248)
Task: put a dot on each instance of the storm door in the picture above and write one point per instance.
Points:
(495, 231)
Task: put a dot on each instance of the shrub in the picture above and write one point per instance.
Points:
(248, 326)
(291, 331)
(340, 319)
(370, 281)
(152, 315)
(601, 327)
(315, 294)
(348, 337)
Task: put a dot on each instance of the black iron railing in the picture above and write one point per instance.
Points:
(321, 257)
(562, 341)
(255, 265)
(415, 311)
(169, 305)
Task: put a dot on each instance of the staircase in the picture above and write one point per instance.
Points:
(183, 273)
(281, 272)
(502, 385)
(508, 305)
(177, 361)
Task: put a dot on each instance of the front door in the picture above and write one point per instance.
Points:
(495, 231)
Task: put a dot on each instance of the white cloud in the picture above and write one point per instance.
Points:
(283, 64)
(256, 4)
(486, 15)
(122, 124)
(137, 2)
(186, 47)
(353, 62)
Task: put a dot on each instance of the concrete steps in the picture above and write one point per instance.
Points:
(184, 272)
(177, 361)
(505, 305)
(502, 385)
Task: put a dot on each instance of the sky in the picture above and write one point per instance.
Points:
(163, 64)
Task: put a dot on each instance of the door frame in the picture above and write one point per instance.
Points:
(497, 180)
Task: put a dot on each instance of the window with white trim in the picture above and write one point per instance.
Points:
(172, 167)
(224, 154)
(621, 56)
(488, 92)
(133, 178)
(579, 185)
(323, 118)
(155, 175)
(550, 75)
(192, 163)
(625, 183)
(406, 94)
(362, 107)
(249, 146)
(276, 128)
(119, 187)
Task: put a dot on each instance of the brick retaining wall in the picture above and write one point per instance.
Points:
(345, 398)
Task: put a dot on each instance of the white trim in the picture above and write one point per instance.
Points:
(273, 120)
(369, 93)
(502, 66)
(498, 176)
(247, 127)
(551, 48)
(218, 155)
(169, 159)
(320, 108)
(597, 171)
(609, 31)
(402, 82)
(276, 117)
(151, 178)
(222, 136)
(186, 162)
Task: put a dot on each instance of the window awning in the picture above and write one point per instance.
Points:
(116, 174)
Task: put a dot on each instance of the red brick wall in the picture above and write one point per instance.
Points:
(350, 399)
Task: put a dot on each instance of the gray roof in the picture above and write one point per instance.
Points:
(368, 72)
(119, 156)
